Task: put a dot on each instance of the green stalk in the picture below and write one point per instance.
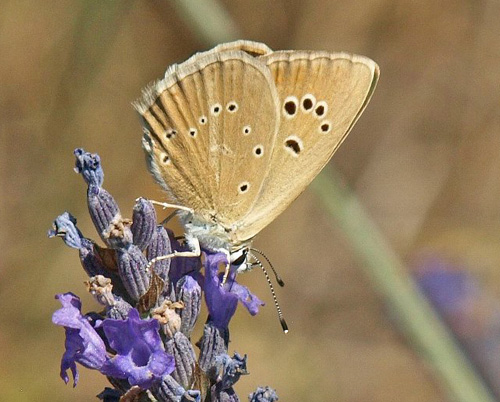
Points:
(417, 319)
(209, 20)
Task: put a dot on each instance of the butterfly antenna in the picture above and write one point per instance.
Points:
(278, 278)
(278, 308)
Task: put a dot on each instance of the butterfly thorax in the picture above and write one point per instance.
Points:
(211, 234)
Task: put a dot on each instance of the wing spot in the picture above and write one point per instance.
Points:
(165, 159)
(170, 134)
(247, 130)
(293, 145)
(243, 187)
(258, 151)
(232, 107)
(216, 109)
(307, 103)
(290, 106)
(203, 120)
(193, 132)
(321, 109)
(325, 126)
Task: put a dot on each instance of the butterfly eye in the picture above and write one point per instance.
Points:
(321, 109)
(258, 151)
(232, 107)
(307, 103)
(293, 145)
(241, 259)
(247, 130)
(216, 109)
(243, 187)
(325, 126)
(203, 120)
(290, 106)
(193, 132)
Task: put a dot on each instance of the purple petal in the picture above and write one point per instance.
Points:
(222, 300)
(140, 356)
(221, 303)
(248, 299)
(83, 344)
(182, 266)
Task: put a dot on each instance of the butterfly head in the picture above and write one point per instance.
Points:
(239, 259)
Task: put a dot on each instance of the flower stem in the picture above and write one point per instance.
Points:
(209, 20)
(387, 272)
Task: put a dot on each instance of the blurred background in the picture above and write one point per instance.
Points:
(423, 162)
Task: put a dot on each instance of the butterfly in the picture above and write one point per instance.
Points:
(236, 133)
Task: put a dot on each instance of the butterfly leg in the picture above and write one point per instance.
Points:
(228, 265)
(196, 252)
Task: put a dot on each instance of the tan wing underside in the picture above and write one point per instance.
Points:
(343, 85)
(199, 163)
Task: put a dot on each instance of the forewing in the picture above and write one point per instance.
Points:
(321, 95)
(203, 122)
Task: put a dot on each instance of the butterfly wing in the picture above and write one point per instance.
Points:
(209, 127)
(321, 96)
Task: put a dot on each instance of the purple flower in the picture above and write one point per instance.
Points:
(65, 226)
(222, 300)
(449, 288)
(140, 356)
(232, 369)
(83, 344)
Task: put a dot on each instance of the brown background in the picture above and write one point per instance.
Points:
(424, 160)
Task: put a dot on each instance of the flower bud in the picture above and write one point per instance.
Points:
(132, 268)
(160, 246)
(223, 395)
(143, 223)
(189, 293)
(212, 344)
(119, 310)
(104, 211)
(89, 166)
(168, 390)
(182, 350)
